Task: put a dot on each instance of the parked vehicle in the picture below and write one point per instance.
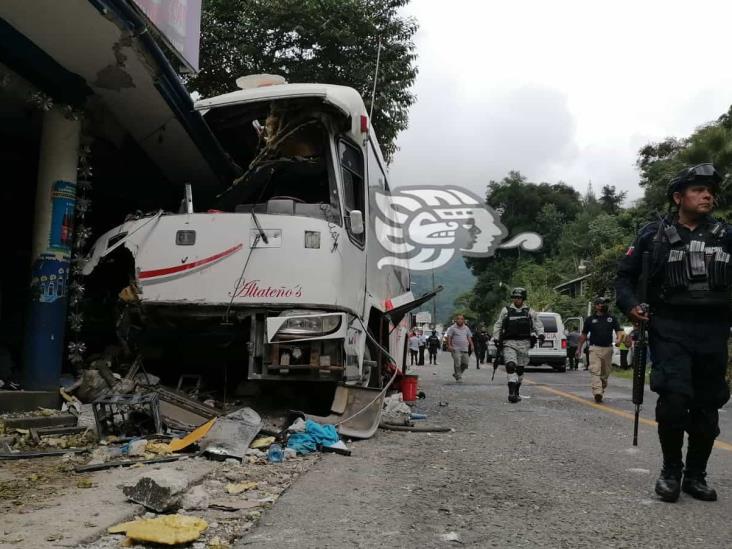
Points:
(553, 350)
(279, 278)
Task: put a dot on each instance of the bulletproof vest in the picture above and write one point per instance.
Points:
(697, 273)
(517, 324)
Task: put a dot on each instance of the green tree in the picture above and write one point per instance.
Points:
(611, 200)
(329, 41)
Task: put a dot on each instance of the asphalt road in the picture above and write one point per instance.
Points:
(555, 470)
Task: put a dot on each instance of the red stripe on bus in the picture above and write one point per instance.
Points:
(189, 266)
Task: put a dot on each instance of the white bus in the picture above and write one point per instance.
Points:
(279, 276)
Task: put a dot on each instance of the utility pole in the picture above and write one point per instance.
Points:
(434, 301)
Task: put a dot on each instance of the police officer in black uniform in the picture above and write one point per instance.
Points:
(689, 297)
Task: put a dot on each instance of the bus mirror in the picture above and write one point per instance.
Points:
(356, 217)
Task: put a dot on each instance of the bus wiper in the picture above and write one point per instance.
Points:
(262, 235)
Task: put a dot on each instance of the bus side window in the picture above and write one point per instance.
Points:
(353, 183)
(377, 179)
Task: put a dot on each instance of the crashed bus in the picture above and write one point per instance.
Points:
(278, 279)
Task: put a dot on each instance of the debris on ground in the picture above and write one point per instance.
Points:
(314, 434)
(232, 434)
(159, 490)
(234, 488)
(166, 530)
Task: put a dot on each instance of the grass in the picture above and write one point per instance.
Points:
(628, 374)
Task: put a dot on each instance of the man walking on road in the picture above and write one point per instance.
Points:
(517, 324)
(413, 344)
(459, 343)
(433, 343)
(422, 345)
(600, 328)
(689, 290)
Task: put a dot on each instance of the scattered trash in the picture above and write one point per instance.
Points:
(84, 483)
(166, 530)
(160, 490)
(123, 463)
(235, 488)
(315, 433)
(262, 442)
(421, 395)
(195, 436)
(415, 415)
(232, 434)
(338, 448)
(128, 415)
(275, 454)
(442, 403)
(298, 426)
(181, 412)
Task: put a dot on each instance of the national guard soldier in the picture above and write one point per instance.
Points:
(516, 328)
(689, 301)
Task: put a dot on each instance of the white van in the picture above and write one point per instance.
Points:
(553, 350)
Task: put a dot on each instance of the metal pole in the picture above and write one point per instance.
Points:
(52, 242)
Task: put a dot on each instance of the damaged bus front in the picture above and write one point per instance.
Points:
(278, 275)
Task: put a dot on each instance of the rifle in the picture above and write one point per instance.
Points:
(499, 356)
(640, 351)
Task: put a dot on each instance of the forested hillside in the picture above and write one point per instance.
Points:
(582, 233)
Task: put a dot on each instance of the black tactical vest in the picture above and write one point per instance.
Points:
(697, 273)
(517, 324)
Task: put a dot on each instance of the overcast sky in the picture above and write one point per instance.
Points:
(561, 90)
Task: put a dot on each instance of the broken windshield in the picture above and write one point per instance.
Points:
(283, 150)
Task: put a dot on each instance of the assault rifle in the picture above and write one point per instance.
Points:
(499, 357)
(640, 351)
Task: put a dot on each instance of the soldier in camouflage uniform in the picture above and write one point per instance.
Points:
(516, 328)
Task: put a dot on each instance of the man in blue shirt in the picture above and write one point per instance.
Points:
(600, 328)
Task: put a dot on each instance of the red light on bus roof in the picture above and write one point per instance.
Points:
(364, 124)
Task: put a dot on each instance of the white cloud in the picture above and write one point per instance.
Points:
(559, 90)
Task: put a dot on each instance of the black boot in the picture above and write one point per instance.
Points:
(696, 486)
(518, 390)
(512, 394)
(697, 455)
(668, 485)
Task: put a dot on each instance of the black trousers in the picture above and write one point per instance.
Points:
(572, 358)
(413, 357)
(689, 352)
(421, 356)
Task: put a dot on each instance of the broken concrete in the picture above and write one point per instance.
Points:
(196, 498)
(37, 422)
(159, 491)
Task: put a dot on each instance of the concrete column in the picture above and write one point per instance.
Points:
(52, 244)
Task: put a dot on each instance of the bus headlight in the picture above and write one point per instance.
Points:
(308, 326)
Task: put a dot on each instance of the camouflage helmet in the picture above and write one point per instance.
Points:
(518, 292)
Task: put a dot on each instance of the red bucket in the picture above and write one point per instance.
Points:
(409, 388)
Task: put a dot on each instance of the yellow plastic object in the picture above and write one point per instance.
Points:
(239, 487)
(194, 436)
(166, 529)
(161, 448)
(264, 442)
